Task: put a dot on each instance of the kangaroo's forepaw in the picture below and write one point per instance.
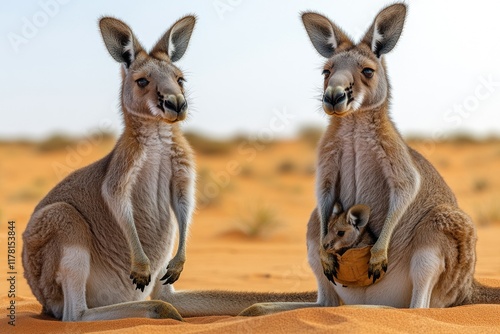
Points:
(140, 280)
(329, 264)
(174, 270)
(140, 275)
(377, 266)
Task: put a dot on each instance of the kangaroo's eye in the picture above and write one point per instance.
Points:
(181, 81)
(368, 72)
(142, 82)
(341, 233)
(326, 73)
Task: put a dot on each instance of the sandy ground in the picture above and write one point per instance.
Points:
(274, 188)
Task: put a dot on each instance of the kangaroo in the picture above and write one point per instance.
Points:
(426, 244)
(348, 230)
(111, 225)
(111, 220)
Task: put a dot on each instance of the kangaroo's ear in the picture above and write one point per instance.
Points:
(324, 35)
(386, 29)
(358, 215)
(119, 40)
(175, 41)
(337, 209)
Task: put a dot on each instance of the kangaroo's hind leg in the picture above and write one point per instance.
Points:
(73, 273)
(427, 260)
(60, 232)
(443, 258)
(425, 268)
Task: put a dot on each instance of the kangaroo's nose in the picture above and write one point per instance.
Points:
(176, 103)
(335, 96)
(335, 100)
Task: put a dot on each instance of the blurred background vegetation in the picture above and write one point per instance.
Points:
(270, 177)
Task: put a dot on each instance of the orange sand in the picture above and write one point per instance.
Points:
(279, 179)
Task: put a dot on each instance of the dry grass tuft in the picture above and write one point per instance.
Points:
(488, 213)
(480, 185)
(286, 166)
(208, 146)
(259, 222)
(25, 195)
(311, 135)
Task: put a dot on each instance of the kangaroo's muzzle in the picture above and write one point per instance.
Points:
(175, 103)
(173, 106)
(335, 100)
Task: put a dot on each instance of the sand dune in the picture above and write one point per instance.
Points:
(273, 275)
(465, 319)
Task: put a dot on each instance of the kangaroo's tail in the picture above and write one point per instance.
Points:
(202, 303)
(482, 294)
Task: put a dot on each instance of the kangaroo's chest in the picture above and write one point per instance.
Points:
(151, 189)
(151, 200)
(362, 180)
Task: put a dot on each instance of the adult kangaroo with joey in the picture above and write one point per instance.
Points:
(426, 244)
(109, 225)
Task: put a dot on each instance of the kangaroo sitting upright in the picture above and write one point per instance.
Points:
(425, 242)
(111, 220)
(112, 224)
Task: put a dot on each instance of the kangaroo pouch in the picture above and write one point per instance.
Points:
(353, 267)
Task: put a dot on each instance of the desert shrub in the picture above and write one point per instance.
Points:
(443, 163)
(259, 222)
(311, 135)
(208, 192)
(25, 195)
(247, 171)
(286, 166)
(208, 146)
(461, 138)
(55, 142)
(104, 136)
(480, 185)
(488, 213)
(58, 142)
(310, 169)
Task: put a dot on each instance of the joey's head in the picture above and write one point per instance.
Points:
(344, 228)
(152, 86)
(354, 74)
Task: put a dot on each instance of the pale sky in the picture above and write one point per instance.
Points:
(247, 60)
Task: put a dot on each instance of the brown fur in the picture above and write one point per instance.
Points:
(111, 220)
(425, 242)
(109, 225)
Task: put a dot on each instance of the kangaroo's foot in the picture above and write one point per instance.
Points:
(270, 308)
